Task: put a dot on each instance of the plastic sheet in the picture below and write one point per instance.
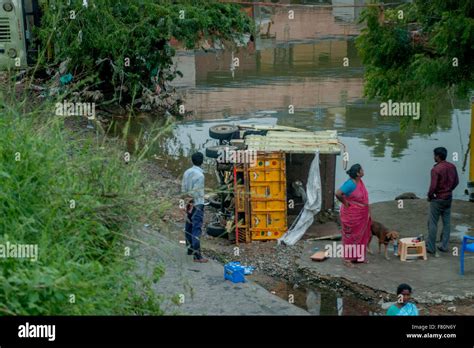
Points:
(312, 206)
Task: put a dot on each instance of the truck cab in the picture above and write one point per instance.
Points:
(17, 20)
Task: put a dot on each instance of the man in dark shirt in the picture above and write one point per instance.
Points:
(444, 179)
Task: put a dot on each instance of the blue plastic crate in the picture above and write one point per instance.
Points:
(234, 272)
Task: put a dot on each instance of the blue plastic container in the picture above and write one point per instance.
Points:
(234, 272)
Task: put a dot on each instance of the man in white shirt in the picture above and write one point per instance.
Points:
(193, 188)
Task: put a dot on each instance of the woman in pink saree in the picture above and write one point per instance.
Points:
(355, 216)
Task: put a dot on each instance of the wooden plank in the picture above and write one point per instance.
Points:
(330, 237)
(328, 180)
(302, 151)
(326, 141)
(293, 139)
(271, 142)
(285, 137)
(294, 148)
(284, 145)
(310, 151)
(310, 132)
(273, 128)
(301, 140)
(290, 140)
(326, 131)
(324, 134)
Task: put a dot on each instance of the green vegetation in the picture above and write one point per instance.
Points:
(408, 56)
(74, 195)
(421, 53)
(122, 47)
(79, 201)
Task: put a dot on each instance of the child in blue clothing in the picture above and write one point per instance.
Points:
(403, 306)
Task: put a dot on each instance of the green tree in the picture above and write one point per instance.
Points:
(420, 52)
(122, 47)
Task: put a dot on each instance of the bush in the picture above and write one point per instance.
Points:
(122, 46)
(43, 167)
(404, 63)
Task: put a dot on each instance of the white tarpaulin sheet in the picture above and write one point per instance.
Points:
(311, 207)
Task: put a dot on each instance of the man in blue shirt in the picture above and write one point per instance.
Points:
(193, 188)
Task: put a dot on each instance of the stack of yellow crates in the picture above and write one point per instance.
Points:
(267, 187)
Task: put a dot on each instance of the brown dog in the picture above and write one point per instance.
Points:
(384, 235)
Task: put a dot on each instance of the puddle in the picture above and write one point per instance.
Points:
(317, 301)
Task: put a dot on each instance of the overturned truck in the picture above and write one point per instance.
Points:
(270, 183)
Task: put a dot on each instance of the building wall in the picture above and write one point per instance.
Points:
(307, 93)
(308, 23)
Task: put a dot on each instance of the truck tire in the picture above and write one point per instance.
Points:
(226, 167)
(216, 230)
(223, 131)
(216, 151)
(215, 201)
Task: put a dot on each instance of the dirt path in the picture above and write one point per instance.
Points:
(189, 288)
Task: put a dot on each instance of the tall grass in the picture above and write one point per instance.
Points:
(77, 199)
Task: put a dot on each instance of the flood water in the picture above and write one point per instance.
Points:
(301, 64)
(317, 300)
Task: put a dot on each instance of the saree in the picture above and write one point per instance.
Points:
(409, 309)
(356, 222)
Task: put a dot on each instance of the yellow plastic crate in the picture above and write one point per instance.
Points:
(267, 187)
(258, 234)
(272, 220)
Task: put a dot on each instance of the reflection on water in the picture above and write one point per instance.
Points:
(315, 299)
(303, 66)
(308, 22)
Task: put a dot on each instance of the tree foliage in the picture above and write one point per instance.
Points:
(426, 47)
(101, 39)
